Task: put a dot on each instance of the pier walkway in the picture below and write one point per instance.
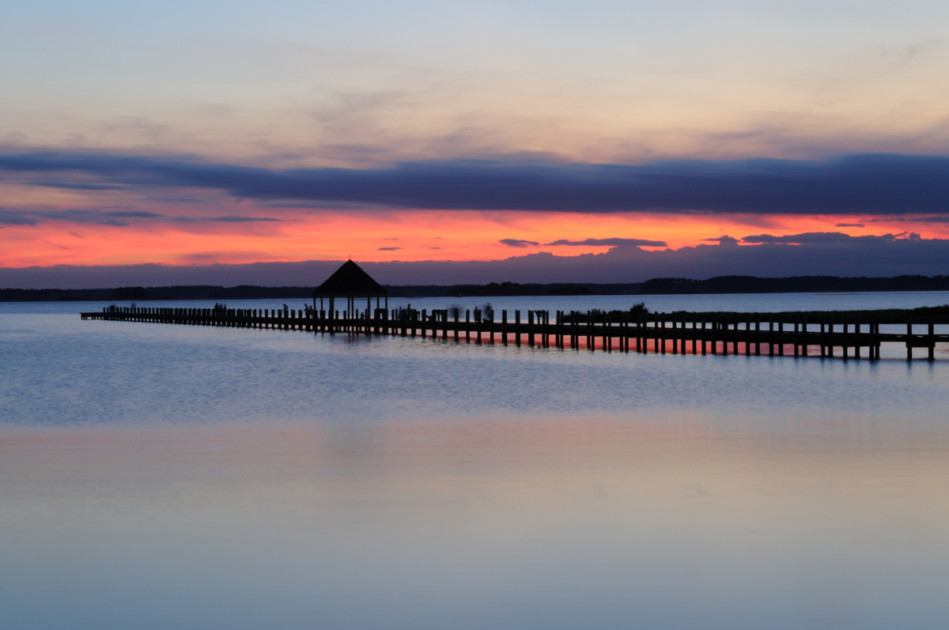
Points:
(824, 334)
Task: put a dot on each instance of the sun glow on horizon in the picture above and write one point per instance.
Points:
(403, 235)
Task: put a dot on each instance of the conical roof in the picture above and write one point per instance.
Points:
(350, 281)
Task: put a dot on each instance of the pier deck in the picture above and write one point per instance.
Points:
(830, 334)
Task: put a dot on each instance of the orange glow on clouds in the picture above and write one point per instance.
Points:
(299, 235)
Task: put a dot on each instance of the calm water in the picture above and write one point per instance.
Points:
(160, 476)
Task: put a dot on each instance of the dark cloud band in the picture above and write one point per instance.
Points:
(880, 184)
(610, 242)
(806, 237)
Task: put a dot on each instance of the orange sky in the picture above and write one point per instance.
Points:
(398, 235)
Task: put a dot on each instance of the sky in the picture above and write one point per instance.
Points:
(242, 142)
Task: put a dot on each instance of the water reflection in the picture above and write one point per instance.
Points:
(658, 521)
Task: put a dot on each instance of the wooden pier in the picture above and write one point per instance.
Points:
(824, 334)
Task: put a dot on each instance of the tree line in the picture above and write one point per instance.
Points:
(655, 286)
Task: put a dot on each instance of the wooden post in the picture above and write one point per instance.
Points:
(845, 349)
(640, 332)
(591, 341)
(909, 341)
(661, 333)
(607, 333)
(545, 334)
(539, 325)
(683, 335)
(564, 331)
(557, 329)
(758, 336)
(932, 341)
(559, 325)
(876, 340)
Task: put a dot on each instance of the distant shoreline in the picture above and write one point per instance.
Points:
(656, 286)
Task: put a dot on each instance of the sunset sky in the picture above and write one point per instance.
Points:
(192, 142)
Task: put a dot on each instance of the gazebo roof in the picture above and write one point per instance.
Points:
(350, 281)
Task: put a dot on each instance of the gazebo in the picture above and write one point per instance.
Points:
(350, 282)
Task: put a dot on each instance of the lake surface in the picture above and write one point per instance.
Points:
(156, 476)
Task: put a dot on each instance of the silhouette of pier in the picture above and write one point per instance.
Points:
(824, 334)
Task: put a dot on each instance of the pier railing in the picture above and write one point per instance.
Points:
(827, 334)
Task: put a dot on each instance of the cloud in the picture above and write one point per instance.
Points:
(807, 237)
(859, 225)
(868, 184)
(517, 242)
(389, 249)
(927, 219)
(112, 218)
(224, 219)
(612, 242)
(74, 215)
(16, 217)
(74, 185)
(724, 241)
(133, 214)
(827, 238)
(84, 216)
(238, 219)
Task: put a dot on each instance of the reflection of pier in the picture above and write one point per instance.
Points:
(843, 334)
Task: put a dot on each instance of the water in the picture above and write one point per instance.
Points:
(160, 476)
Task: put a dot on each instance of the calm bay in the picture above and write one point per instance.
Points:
(158, 476)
